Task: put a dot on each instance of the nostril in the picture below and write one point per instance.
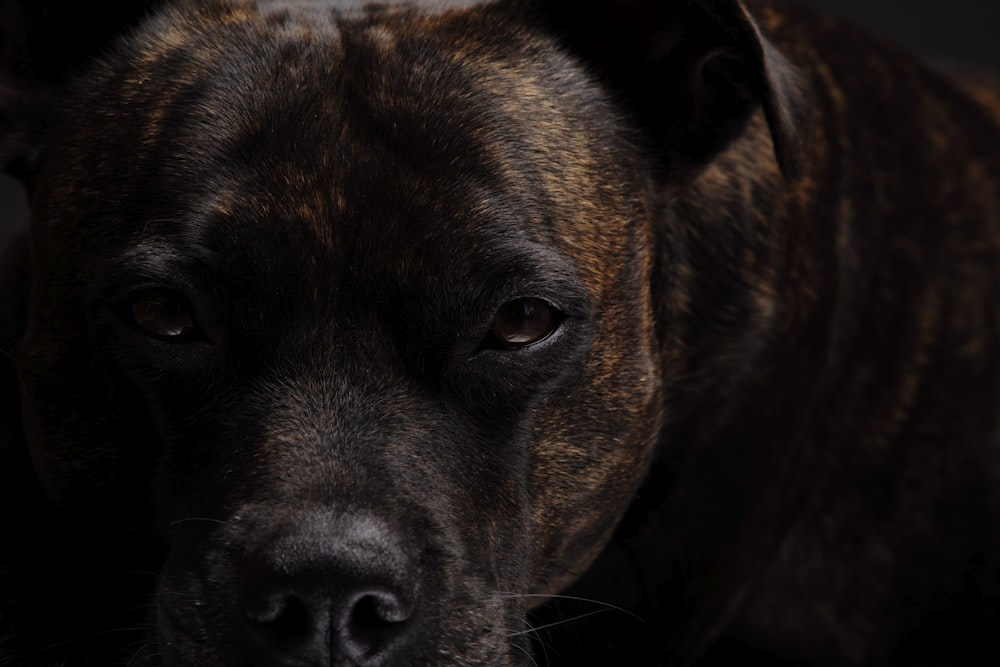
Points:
(373, 623)
(378, 610)
(285, 619)
(293, 623)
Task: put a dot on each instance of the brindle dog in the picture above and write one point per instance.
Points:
(349, 334)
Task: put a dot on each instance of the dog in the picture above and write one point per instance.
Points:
(496, 333)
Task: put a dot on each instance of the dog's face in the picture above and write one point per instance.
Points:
(369, 312)
(363, 295)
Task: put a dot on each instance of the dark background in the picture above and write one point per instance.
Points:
(952, 30)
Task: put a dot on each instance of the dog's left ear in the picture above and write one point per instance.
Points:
(692, 72)
(43, 43)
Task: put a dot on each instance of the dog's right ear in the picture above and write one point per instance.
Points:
(43, 43)
(691, 72)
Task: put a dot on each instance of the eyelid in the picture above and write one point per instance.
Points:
(532, 270)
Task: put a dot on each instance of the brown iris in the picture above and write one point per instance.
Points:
(523, 322)
(164, 314)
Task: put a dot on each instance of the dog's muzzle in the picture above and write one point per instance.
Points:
(329, 590)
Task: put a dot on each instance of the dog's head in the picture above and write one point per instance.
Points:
(352, 305)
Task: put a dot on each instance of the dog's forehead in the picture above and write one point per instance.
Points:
(360, 127)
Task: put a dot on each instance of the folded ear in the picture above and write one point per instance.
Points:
(692, 71)
(42, 44)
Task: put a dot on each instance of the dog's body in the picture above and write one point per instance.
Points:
(364, 330)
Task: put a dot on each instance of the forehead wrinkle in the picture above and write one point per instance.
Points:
(278, 156)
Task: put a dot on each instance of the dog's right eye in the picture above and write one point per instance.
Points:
(164, 315)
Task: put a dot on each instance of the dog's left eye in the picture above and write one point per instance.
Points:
(165, 315)
(523, 322)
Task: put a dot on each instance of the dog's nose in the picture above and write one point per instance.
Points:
(332, 590)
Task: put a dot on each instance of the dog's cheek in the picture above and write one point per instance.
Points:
(595, 442)
(79, 437)
(608, 463)
(593, 451)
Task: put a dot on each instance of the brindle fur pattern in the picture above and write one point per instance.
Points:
(767, 425)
